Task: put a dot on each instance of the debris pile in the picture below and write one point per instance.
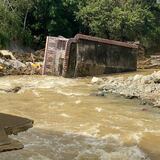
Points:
(21, 64)
(146, 88)
(149, 63)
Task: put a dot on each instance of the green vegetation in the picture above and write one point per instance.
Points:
(127, 20)
(13, 20)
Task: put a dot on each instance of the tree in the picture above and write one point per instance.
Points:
(54, 17)
(9, 23)
(122, 20)
(126, 20)
(12, 20)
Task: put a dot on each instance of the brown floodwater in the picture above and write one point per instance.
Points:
(73, 124)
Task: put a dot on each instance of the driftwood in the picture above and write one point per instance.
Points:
(146, 61)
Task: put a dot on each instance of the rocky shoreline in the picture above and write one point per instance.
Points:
(143, 87)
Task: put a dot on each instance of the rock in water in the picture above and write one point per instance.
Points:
(96, 80)
(12, 125)
(12, 90)
(4, 140)
(8, 144)
(99, 94)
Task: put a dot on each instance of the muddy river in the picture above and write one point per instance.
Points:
(73, 124)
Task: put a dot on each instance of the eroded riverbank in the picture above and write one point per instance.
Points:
(143, 87)
(71, 123)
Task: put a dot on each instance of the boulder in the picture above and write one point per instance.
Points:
(7, 54)
(96, 80)
(12, 90)
(16, 64)
(10, 124)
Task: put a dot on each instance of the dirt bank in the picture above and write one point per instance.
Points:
(146, 88)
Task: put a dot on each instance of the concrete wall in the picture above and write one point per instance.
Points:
(89, 58)
(72, 61)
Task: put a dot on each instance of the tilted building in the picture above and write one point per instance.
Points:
(88, 56)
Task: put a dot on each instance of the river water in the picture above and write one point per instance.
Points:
(73, 124)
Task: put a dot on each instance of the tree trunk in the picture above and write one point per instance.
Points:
(25, 20)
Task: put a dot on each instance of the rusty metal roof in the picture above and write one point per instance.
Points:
(105, 41)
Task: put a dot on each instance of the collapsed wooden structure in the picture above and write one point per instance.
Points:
(87, 56)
